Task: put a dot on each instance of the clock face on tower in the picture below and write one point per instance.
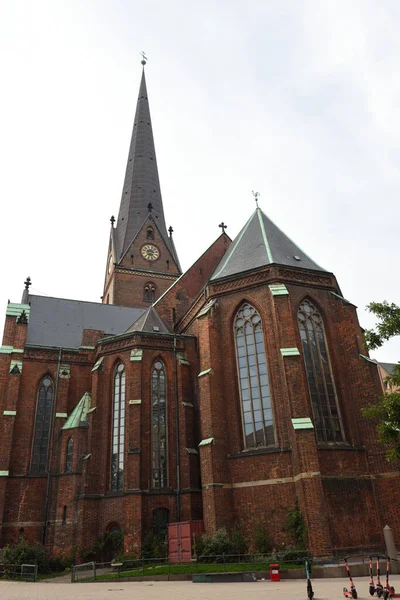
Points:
(150, 252)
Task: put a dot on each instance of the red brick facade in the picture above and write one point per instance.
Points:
(346, 491)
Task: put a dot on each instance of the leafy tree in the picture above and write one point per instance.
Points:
(388, 325)
(387, 409)
(387, 412)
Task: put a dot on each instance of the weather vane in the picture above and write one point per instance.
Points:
(144, 58)
(256, 195)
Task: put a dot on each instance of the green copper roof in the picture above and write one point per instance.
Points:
(261, 243)
(78, 417)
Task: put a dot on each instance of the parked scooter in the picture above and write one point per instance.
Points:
(372, 588)
(310, 591)
(379, 586)
(388, 590)
(352, 593)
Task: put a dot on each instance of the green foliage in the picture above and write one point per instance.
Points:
(25, 553)
(295, 555)
(217, 544)
(387, 412)
(114, 544)
(239, 542)
(198, 545)
(296, 527)
(262, 540)
(107, 547)
(388, 325)
(154, 546)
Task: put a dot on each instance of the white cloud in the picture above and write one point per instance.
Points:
(298, 100)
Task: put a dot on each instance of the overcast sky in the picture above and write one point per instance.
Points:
(297, 100)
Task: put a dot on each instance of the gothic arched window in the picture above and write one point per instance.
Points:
(149, 292)
(319, 374)
(68, 458)
(118, 431)
(42, 426)
(255, 393)
(159, 426)
(150, 233)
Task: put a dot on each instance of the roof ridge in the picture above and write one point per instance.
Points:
(231, 251)
(260, 243)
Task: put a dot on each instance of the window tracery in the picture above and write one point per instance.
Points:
(118, 431)
(159, 426)
(321, 385)
(255, 393)
(68, 459)
(149, 292)
(42, 426)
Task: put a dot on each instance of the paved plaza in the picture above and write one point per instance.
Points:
(325, 589)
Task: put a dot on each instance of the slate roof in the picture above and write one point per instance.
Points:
(258, 244)
(60, 322)
(78, 417)
(141, 184)
(388, 367)
(149, 321)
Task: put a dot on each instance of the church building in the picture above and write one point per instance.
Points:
(227, 394)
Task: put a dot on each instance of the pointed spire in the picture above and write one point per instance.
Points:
(261, 243)
(141, 185)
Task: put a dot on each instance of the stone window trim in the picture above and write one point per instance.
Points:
(40, 443)
(69, 455)
(149, 292)
(118, 429)
(319, 374)
(253, 379)
(159, 428)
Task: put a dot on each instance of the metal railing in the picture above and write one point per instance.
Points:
(216, 563)
(24, 572)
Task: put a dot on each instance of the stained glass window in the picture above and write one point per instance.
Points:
(118, 432)
(321, 385)
(159, 426)
(42, 426)
(68, 460)
(255, 392)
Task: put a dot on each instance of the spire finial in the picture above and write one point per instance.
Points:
(25, 293)
(170, 230)
(112, 221)
(144, 58)
(149, 207)
(223, 226)
(256, 196)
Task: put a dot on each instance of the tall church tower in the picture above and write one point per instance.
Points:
(142, 261)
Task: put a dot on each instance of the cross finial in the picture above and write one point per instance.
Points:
(150, 207)
(223, 226)
(170, 230)
(144, 58)
(112, 221)
(27, 283)
(256, 196)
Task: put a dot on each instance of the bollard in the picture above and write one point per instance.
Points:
(389, 542)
